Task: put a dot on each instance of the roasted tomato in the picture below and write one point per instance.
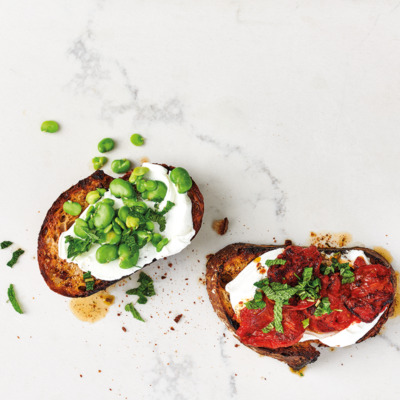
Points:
(370, 291)
(253, 321)
(297, 258)
(340, 318)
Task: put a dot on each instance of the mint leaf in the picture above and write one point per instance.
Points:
(15, 257)
(89, 281)
(277, 261)
(5, 244)
(324, 307)
(130, 308)
(13, 299)
(256, 303)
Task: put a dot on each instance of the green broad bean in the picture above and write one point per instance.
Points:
(93, 196)
(137, 139)
(120, 188)
(129, 202)
(149, 226)
(101, 191)
(181, 178)
(156, 238)
(116, 228)
(113, 238)
(141, 186)
(161, 244)
(132, 222)
(138, 172)
(140, 206)
(108, 228)
(89, 213)
(158, 194)
(80, 228)
(150, 185)
(106, 253)
(123, 212)
(127, 258)
(108, 201)
(143, 237)
(91, 223)
(120, 166)
(72, 208)
(99, 162)
(124, 251)
(105, 145)
(103, 216)
(120, 223)
(129, 262)
(50, 127)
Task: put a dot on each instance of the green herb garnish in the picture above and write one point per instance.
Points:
(89, 281)
(324, 307)
(144, 290)
(15, 257)
(256, 303)
(305, 322)
(129, 307)
(77, 246)
(277, 261)
(344, 269)
(308, 287)
(5, 244)
(13, 299)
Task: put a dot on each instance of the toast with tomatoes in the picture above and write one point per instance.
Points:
(227, 263)
(65, 277)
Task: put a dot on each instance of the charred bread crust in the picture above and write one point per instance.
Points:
(64, 277)
(226, 264)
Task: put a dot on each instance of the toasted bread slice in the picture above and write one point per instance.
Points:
(226, 264)
(64, 277)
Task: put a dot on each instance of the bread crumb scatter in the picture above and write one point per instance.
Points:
(221, 226)
(124, 329)
(178, 318)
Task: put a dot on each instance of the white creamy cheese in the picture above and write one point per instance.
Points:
(179, 230)
(242, 289)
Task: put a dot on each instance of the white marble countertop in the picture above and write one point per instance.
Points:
(287, 115)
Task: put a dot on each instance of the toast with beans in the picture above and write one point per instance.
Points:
(65, 277)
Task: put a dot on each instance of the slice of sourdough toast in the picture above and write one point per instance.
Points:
(65, 277)
(226, 264)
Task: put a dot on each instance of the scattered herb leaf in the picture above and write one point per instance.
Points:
(5, 244)
(15, 257)
(129, 307)
(13, 299)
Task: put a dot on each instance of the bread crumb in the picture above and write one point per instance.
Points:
(220, 226)
(178, 318)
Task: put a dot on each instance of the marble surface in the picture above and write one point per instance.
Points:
(287, 115)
